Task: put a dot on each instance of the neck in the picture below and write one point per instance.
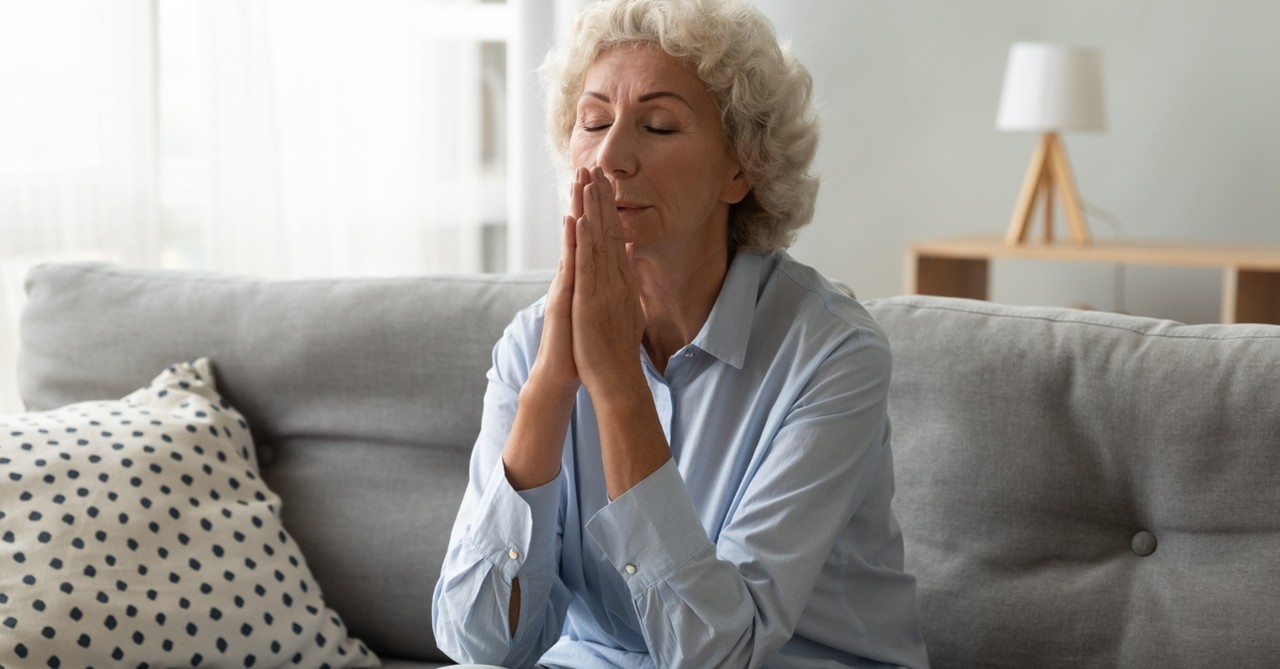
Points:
(677, 298)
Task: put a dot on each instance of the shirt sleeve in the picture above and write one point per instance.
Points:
(501, 535)
(735, 602)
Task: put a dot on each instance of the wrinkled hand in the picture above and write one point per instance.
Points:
(554, 364)
(607, 318)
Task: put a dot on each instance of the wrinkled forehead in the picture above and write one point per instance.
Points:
(630, 72)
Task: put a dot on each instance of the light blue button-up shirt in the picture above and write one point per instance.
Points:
(766, 540)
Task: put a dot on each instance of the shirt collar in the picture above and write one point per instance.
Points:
(728, 327)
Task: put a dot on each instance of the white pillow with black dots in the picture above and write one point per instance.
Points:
(138, 533)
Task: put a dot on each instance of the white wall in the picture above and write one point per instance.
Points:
(908, 92)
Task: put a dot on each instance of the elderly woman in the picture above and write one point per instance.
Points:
(684, 458)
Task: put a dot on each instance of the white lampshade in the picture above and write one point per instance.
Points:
(1048, 87)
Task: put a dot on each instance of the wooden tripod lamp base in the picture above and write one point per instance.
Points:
(1048, 172)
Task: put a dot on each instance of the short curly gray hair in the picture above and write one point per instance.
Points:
(764, 95)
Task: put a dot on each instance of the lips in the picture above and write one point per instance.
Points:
(629, 206)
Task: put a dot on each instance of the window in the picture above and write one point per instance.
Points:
(276, 138)
(303, 138)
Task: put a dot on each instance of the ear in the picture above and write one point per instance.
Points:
(737, 187)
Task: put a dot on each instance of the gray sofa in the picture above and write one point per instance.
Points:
(1075, 489)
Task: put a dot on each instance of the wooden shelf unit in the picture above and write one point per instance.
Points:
(961, 267)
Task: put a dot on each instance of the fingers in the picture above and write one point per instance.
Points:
(568, 236)
(600, 246)
(580, 179)
(611, 247)
(560, 292)
(580, 254)
(585, 257)
(554, 361)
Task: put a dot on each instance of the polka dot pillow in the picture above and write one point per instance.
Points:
(138, 533)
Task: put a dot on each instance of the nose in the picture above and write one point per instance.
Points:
(617, 154)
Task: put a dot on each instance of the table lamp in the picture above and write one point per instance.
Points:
(1049, 88)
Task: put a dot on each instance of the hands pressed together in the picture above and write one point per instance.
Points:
(594, 320)
(591, 338)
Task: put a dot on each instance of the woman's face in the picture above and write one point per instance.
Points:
(649, 122)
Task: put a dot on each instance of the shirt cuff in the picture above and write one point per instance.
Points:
(650, 530)
(516, 528)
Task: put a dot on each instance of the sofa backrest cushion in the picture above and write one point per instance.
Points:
(1087, 489)
(364, 397)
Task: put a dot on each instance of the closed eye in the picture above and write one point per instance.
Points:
(595, 128)
(659, 131)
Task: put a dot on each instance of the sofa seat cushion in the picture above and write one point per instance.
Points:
(1087, 489)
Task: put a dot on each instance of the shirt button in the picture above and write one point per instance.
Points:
(513, 554)
(630, 569)
(689, 352)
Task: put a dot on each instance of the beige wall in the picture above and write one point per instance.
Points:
(908, 92)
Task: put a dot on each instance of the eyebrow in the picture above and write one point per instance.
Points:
(643, 98)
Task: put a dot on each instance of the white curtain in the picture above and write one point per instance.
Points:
(77, 144)
(77, 129)
(281, 138)
(335, 137)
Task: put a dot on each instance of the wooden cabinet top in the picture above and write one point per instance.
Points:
(1129, 252)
